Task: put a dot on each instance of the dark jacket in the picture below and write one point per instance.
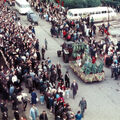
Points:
(43, 117)
(74, 88)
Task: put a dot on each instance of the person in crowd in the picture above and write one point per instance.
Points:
(67, 80)
(46, 44)
(43, 116)
(2, 105)
(43, 53)
(34, 112)
(83, 105)
(4, 112)
(67, 92)
(92, 22)
(42, 99)
(30, 84)
(78, 116)
(33, 97)
(23, 118)
(116, 71)
(11, 90)
(24, 100)
(112, 70)
(16, 114)
(14, 102)
(74, 88)
(33, 30)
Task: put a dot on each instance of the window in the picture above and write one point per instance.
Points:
(91, 13)
(97, 12)
(80, 14)
(75, 14)
(104, 11)
(70, 14)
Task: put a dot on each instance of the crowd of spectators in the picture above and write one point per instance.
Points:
(21, 50)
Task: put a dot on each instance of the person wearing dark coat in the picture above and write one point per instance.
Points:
(83, 105)
(51, 101)
(5, 93)
(30, 84)
(116, 71)
(14, 102)
(43, 116)
(74, 88)
(5, 112)
(24, 103)
(43, 53)
(2, 106)
(16, 115)
(59, 71)
(38, 56)
(33, 30)
(33, 97)
(67, 80)
(37, 45)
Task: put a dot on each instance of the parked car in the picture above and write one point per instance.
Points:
(32, 17)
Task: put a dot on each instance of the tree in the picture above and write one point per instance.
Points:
(75, 3)
(81, 3)
(93, 3)
(114, 3)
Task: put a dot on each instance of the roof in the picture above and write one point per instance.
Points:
(92, 9)
(23, 2)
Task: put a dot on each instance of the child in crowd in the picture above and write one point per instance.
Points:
(42, 99)
(67, 92)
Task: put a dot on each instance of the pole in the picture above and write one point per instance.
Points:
(108, 17)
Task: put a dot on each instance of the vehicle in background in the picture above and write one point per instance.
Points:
(97, 13)
(11, 2)
(32, 17)
(22, 6)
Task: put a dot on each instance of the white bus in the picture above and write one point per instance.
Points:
(22, 6)
(98, 13)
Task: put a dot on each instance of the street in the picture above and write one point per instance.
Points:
(103, 98)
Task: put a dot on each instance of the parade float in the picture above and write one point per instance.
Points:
(83, 66)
